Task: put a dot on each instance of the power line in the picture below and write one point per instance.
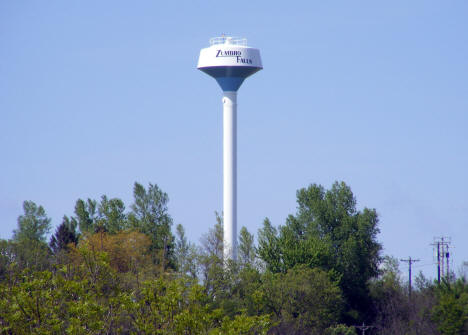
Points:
(410, 262)
(424, 265)
(442, 244)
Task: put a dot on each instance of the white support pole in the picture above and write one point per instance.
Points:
(230, 174)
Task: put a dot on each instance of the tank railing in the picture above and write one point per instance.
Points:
(228, 40)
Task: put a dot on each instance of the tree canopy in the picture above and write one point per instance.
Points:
(108, 270)
(328, 232)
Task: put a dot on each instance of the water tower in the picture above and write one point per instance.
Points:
(229, 60)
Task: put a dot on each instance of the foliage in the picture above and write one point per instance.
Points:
(185, 254)
(390, 299)
(107, 216)
(244, 325)
(340, 329)
(395, 312)
(246, 250)
(303, 299)
(451, 311)
(171, 307)
(111, 215)
(125, 253)
(150, 216)
(7, 257)
(269, 248)
(330, 233)
(28, 248)
(41, 303)
(319, 273)
(47, 303)
(33, 225)
(86, 215)
(64, 235)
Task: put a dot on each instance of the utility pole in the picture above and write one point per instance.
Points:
(410, 261)
(447, 255)
(363, 328)
(443, 263)
(438, 262)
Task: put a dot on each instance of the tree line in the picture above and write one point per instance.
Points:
(109, 270)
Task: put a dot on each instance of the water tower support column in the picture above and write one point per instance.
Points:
(230, 174)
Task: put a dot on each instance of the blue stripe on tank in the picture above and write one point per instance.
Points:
(230, 78)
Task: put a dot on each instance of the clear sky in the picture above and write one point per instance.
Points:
(95, 95)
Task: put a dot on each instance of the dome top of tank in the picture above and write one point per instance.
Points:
(228, 40)
(229, 60)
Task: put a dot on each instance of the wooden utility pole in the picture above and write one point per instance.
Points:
(363, 328)
(410, 261)
(442, 244)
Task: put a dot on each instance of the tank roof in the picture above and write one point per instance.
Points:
(228, 40)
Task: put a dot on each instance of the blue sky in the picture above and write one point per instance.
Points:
(95, 95)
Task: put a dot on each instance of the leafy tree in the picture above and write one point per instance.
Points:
(246, 248)
(64, 235)
(328, 232)
(41, 303)
(269, 248)
(390, 299)
(150, 216)
(303, 300)
(395, 312)
(229, 287)
(126, 253)
(211, 261)
(86, 214)
(182, 307)
(181, 248)
(244, 291)
(185, 254)
(33, 224)
(340, 329)
(29, 240)
(171, 307)
(111, 215)
(106, 216)
(7, 257)
(244, 325)
(451, 311)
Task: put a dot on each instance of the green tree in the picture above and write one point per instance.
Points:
(7, 257)
(33, 224)
(211, 261)
(303, 300)
(244, 325)
(390, 300)
(41, 303)
(182, 307)
(111, 215)
(246, 250)
(341, 329)
(86, 215)
(106, 216)
(328, 232)
(29, 240)
(171, 307)
(185, 254)
(64, 235)
(230, 287)
(269, 248)
(451, 311)
(149, 215)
